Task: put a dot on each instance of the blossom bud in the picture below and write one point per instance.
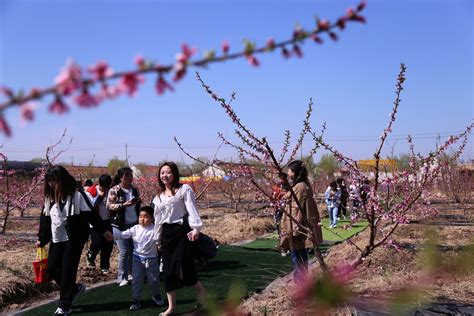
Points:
(225, 47)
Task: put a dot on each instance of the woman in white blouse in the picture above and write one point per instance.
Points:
(177, 225)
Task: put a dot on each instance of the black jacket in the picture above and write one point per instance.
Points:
(116, 197)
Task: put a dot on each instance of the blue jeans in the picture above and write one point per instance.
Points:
(151, 268)
(333, 215)
(299, 259)
(125, 247)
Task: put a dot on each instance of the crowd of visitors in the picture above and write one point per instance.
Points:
(112, 210)
(166, 230)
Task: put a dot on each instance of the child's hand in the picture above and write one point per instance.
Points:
(109, 236)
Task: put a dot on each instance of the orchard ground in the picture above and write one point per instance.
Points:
(385, 273)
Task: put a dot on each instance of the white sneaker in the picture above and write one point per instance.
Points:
(130, 278)
(123, 283)
(60, 311)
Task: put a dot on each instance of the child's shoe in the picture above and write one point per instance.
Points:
(158, 301)
(135, 306)
(123, 283)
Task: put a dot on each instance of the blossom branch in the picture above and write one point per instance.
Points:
(71, 82)
(304, 131)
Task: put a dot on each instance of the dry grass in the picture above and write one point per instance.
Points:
(387, 270)
(229, 228)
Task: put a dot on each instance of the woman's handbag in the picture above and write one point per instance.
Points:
(40, 266)
(207, 248)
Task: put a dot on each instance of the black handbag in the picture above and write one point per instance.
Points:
(207, 248)
(204, 248)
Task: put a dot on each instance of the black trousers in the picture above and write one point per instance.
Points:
(102, 245)
(178, 257)
(343, 208)
(63, 262)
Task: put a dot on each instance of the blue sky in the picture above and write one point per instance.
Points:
(352, 81)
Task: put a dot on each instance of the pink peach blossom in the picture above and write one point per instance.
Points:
(101, 70)
(58, 107)
(69, 79)
(129, 83)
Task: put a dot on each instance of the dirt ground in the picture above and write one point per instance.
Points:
(388, 273)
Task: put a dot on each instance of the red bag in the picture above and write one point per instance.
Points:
(40, 266)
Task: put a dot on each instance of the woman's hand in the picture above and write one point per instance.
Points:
(38, 244)
(193, 235)
(109, 236)
(132, 202)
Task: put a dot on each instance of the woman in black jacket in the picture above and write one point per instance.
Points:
(64, 222)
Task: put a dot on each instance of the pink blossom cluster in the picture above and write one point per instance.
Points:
(19, 190)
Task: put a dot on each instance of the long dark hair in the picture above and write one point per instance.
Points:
(300, 171)
(174, 171)
(66, 184)
(120, 173)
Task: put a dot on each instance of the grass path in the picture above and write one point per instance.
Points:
(255, 269)
(254, 265)
(330, 235)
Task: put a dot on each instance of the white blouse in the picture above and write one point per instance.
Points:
(172, 209)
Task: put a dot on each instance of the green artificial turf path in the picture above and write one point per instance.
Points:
(331, 235)
(255, 269)
(254, 265)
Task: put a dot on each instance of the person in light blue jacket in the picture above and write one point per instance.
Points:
(332, 197)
